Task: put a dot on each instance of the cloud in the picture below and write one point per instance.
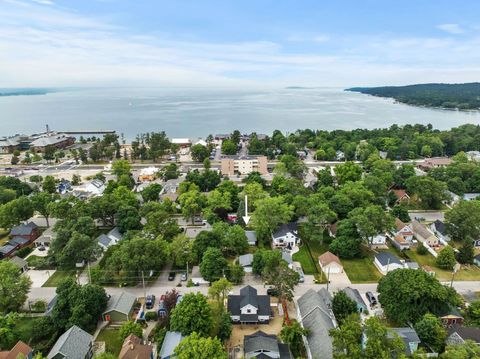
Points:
(52, 46)
(455, 29)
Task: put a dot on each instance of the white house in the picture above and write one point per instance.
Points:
(110, 239)
(286, 236)
(379, 240)
(387, 262)
(423, 234)
(330, 263)
(249, 307)
(402, 236)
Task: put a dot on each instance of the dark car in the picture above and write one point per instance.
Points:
(272, 292)
(150, 301)
(171, 276)
(371, 298)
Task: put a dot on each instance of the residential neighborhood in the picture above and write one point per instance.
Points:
(278, 257)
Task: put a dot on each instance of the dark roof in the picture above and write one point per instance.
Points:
(354, 295)
(316, 316)
(23, 229)
(408, 335)
(75, 343)
(248, 295)
(260, 343)
(7, 248)
(104, 240)
(465, 333)
(284, 229)
(386, 258)
(440, 227)
(18, 241)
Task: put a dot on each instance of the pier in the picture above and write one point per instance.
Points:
(88, 132)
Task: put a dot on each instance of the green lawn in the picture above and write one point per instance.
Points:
(111, 337)
(58, 276)
(303, 256)
(466, 273)
(361, 270)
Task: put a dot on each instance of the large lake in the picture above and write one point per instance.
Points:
(187, 112)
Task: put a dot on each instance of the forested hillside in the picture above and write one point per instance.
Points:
(452, 96)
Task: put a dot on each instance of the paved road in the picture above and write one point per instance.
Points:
(47, 293)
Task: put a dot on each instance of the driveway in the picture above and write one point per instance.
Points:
(339, 280)
(39, 277)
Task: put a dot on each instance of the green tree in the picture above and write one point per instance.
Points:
(467, 350)
(473, 313)
(229, 147)
(371, 221)
(235, 240)
(192, 203)
(8, 336)
(269, 214)
(466, 252)
(463, 220)
(121, 168)
(347, 339)
(381, 343)
(199, 152)
(343, 306)
(128, 219)
(431, 332)
(401, 212)
(219, 290)
(49, 153)
(283, 279)
(192, 314)
(181, 250)
(170, 171)
(213, 264)
(128, 328)
(292, 334)
(13, 212)
(198, 347)
(13, 287)
(151, 192)
(407, 294)
(41, 203)
(235, 273)
(446, 258)
(49, 185)
(7, 195)
(430, 191)
(348, 171)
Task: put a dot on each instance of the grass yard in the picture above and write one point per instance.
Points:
(361, 270)
(59, 276)
(111, 337)
(466, 273)
(24, 328)
(303, 256)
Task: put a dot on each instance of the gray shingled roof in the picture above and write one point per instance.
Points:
(248, 295)
(19, 262)
(354, 295)
(23, 229)
(386, 258)
(284, 229)
(317, 317)
(75, 343)
(104, 240)
(121, 303)
(260, 341)
(251, 237)
(49, 140)
(440, 227)
(408, 335)
(245, 260)
(170, 342)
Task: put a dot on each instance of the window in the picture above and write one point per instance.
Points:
(249, 311)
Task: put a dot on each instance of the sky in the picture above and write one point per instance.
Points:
(241, 43)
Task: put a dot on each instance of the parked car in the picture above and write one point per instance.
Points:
(150, 301)
(371, 298)
(184, 276)
(272, 292)
(171, 276)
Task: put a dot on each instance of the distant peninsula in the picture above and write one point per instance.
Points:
(447, 96)
(24, 91)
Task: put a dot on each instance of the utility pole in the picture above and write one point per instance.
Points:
(144, 290)
(328, 278)
(89, 274)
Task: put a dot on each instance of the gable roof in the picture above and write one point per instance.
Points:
(385, 258)
(400, 193)
(19, 348)
(318, 318)
(133, 348)
(259, 343)
(251, 236)
(248, 295)
(121, 303)
(408, 335)
(327, 258)
(104, 240)
(75, 343)
(465, 333)
(115, 233)
(284, 229)
(440, 227)
(170, 342)
(399, 224)
(333, 228)
(354, 295)
(19, 262)
(245, 260)
(23, 229)
(421, 230)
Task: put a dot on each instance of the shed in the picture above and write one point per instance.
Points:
(251, 238)
(20, 263)
(119, 308)
(246, 262)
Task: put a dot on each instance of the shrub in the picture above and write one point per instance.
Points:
(151, 316)
(39, 306)
(421, 249)
(23, 252)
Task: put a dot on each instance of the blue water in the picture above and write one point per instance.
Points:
(189, 112)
